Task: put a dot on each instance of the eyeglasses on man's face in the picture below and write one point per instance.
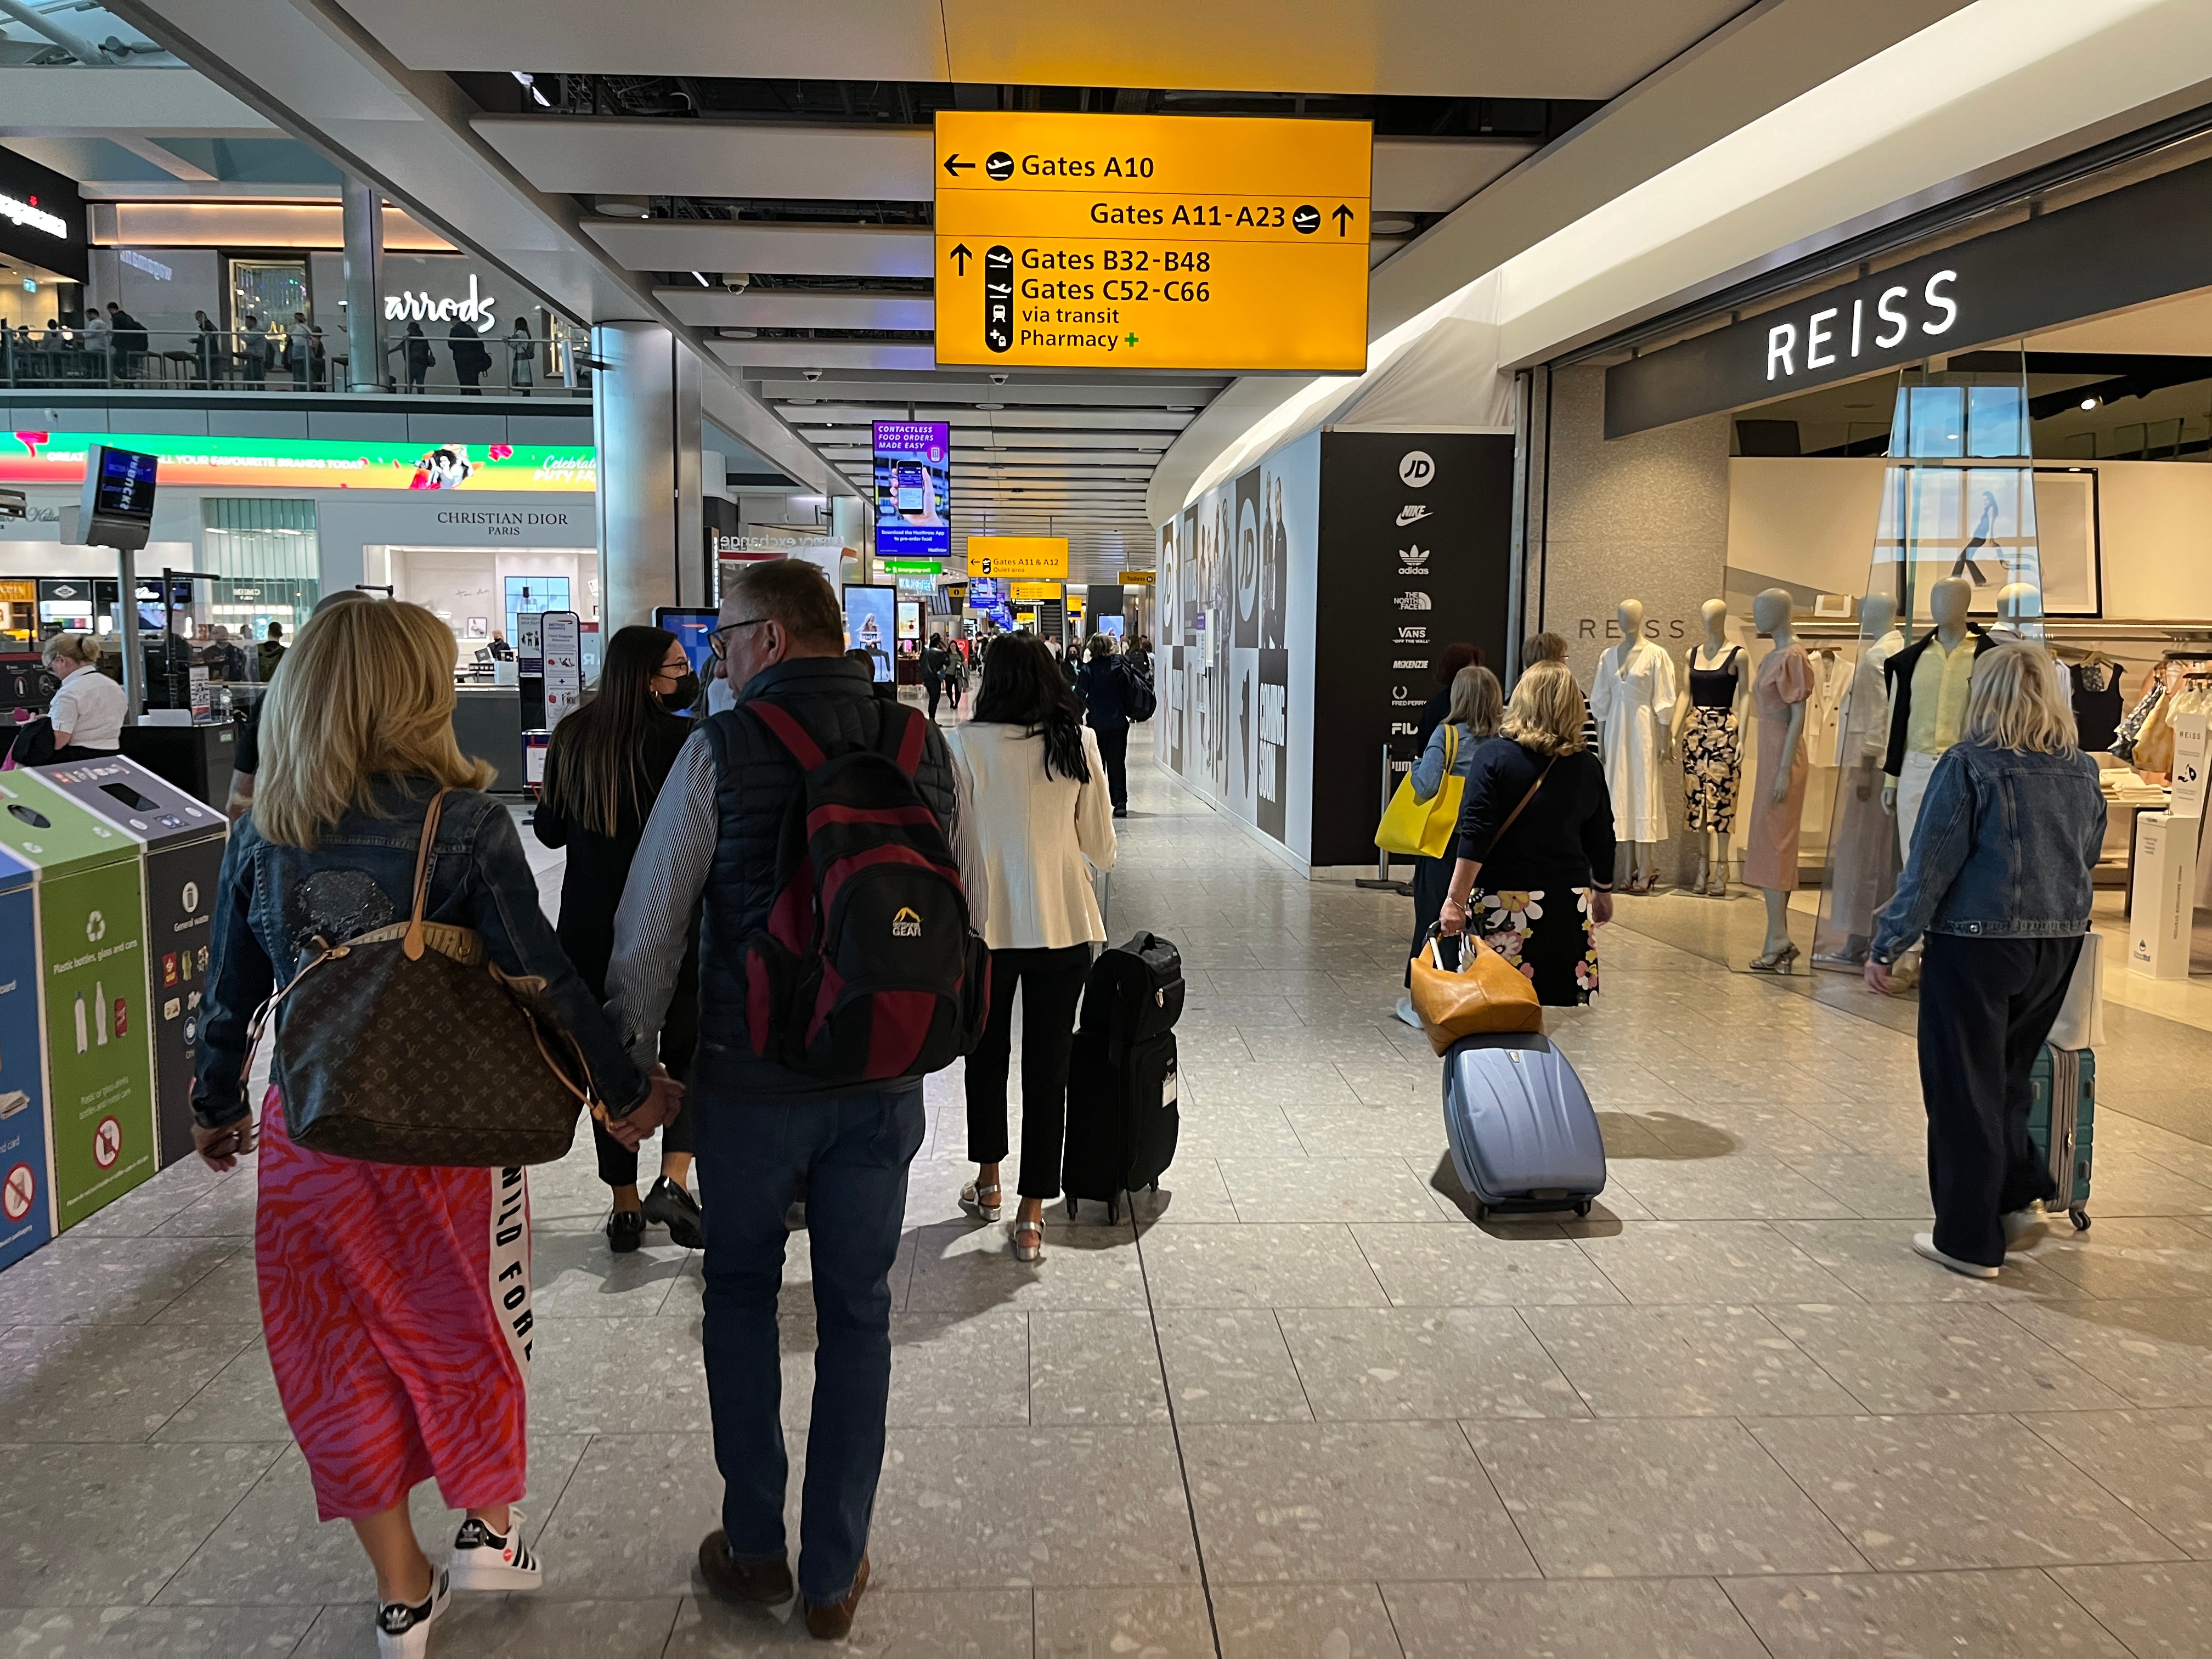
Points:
(720, 646)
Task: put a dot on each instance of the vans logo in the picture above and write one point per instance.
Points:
(906, 924)
(1414, 561)
(1413, 599)
(1412, 636)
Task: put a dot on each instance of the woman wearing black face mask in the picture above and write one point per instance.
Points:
(602, 772)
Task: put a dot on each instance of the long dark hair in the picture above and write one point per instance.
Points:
(1023, 686)
(595, 764)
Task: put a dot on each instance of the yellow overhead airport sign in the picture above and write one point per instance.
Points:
(1139, 578)
(1017, 558)
(1030, 593)
(1151, 241)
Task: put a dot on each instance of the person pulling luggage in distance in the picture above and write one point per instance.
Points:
(1998, 879)
(1043, 821)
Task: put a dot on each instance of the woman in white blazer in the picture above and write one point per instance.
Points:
(1042, 819)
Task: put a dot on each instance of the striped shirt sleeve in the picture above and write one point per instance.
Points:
(666, 880)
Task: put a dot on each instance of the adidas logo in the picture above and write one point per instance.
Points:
(1407, 514)
(1414, 561)
(906, 924)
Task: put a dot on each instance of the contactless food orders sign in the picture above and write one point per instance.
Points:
(1151, 241)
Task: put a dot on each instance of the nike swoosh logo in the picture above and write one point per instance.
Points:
(1407, 514)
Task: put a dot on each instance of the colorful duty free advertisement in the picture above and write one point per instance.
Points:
(58, 458)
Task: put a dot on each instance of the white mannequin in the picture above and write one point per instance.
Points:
(1770, 615)
(1712, 856)
(1643, 857)
(1877, 616)
(1947, 603)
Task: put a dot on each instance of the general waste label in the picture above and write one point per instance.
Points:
(1151, 241)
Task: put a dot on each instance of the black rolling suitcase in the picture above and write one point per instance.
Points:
(1122, 1080)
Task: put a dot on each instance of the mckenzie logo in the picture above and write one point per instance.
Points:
(1409, 514)
(906, 924)
(1414, 561)
(1413, 599)
(1410, 662)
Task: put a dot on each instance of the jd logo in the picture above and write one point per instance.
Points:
(906, 924)
(95, 927)
(1415, 470)
(190, 895)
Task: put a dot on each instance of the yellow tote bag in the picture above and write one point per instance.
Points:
(1426, 827)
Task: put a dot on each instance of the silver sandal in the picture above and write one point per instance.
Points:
(1028, 1252)
(971, 1200)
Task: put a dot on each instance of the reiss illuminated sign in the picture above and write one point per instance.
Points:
(1829, 340)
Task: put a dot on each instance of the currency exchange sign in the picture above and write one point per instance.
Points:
(1151, 241)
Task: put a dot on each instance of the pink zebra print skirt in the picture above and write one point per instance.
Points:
(397, 1305)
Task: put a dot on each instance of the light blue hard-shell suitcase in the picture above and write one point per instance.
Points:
(1523, 1132)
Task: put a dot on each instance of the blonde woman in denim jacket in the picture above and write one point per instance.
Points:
(1998, 879)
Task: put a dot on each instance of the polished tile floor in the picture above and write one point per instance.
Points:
(1302, 1406)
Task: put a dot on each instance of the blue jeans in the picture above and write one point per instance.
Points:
(853, 1154)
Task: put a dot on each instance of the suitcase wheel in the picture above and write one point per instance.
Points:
(1583, 1208)
(1112, 1211)
(1481, 1210)
(2079, 1217)
(1156, 1186)
(1070, 1206)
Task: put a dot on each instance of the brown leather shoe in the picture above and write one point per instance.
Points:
(830, 1624)
(764, 1582)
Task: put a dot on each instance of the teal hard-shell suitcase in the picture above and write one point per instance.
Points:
(2062, 1121)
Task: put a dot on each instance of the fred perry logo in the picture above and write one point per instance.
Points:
(906, 924)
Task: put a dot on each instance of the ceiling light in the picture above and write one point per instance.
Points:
(1393, 226)
(530, 81)
(622, 206)
(2089, 402)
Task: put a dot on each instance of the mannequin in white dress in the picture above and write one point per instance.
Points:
(1863, 850)
(1632, 700)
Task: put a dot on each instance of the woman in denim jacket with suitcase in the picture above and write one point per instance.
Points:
(1998, 878)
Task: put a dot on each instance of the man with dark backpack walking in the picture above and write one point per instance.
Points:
(813, 826)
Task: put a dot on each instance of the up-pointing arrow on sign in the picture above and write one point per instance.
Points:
(956, 166)
(960, 256)
(1343, 215)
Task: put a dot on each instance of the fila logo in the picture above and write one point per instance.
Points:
(1413, 599)
(1402, 728)
(1408, 514)
(906, 924)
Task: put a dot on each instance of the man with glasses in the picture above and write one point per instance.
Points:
(710, 848)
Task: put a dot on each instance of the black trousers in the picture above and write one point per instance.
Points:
(1432, 884)
(936, 686)
(1054, 985)
(1114, 749)
(1986, 1006)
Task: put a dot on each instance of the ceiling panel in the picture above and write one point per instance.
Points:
(824, 353)
(599, 155)
(1115, 419)
(793, 308)
(1435, 175)
(1451, 48)
(784, 250)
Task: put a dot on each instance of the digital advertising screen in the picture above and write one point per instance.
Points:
(871, 624)
(914, 489)
(909, 626)
(986, 598)
(694, 631)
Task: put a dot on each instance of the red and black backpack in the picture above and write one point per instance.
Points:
(867, 969)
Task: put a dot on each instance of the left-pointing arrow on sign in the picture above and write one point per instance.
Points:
(954, 165)
(960, 256)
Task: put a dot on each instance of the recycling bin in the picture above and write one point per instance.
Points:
(88, 917)
(181, 840)
(27, 1218)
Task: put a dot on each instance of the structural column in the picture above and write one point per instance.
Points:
(645, 419)
(364, 286)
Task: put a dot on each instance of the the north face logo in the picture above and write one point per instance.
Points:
(906, 924)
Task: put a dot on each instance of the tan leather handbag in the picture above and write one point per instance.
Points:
(407, 1045)
(1484, 993)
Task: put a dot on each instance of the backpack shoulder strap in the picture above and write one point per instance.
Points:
(783, 725)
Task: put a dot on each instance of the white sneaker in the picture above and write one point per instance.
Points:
(2022, 1228)
(482, 1560)
(1924, 1244)
(403, 1632)
(1406, 1011)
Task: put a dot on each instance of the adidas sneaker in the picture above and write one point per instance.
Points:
(403, 1632)
(482, 1560)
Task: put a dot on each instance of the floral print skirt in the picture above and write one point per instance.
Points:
(1712, 765)
(1547, 935)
